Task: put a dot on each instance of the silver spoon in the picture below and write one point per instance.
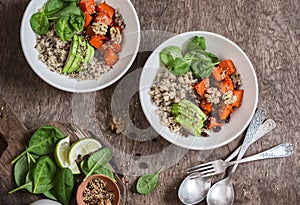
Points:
(222, 193)
(192, 191)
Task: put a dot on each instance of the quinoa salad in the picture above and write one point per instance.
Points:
(194, 97)
(88, 47)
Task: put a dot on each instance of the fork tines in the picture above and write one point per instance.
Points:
(203, 168)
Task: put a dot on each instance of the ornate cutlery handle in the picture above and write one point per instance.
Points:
(282, 150)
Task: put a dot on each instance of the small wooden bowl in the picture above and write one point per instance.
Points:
(110, 186)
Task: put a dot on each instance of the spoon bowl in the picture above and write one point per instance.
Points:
(221, 193)
(192, 191)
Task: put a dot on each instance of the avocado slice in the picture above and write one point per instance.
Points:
(72, 54)
(89, 54)
(76, 65)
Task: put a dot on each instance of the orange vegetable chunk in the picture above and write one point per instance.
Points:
(239, 97)
(202, 86)
(104, 18)
(217, 73)
(116, 47)
(224, 111)
(88, 6)
(97, 40)
(226, 85)
(228, 66)
(214, 123)
(206, 107)
(87, 19)
(110, 57)
(103, 7)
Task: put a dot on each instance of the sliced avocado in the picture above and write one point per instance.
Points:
(89, 54)
(72, 53)
(76, 65)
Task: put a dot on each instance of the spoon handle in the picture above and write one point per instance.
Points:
(279, 151)
(255, 123)
(265, 128)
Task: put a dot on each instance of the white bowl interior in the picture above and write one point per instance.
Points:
(240, 118)
(130, 46)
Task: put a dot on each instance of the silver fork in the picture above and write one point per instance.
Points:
(219, 166)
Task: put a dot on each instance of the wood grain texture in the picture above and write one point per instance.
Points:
(269, 33)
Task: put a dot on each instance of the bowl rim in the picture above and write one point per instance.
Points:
(74, 89)
(84, 183)
(191, 146)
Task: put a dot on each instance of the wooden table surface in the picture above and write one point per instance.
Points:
(269, 33)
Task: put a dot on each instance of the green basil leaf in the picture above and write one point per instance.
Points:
(98, 159)
(43, 141)
(39, 23)
(43, 175)
(169, 54)
(63, 185)
(147, 183)
(195, 43)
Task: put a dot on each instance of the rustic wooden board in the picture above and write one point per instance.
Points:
(16, 136)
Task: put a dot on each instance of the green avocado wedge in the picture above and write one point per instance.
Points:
(72, 54)
(89, 54)
(76, 64)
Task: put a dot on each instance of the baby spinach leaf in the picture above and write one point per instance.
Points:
(49, 194)
(97, 160)
(53, 6)
(196, 43)
(22, 167)
(147, 183)
(70, 9)
(42, 141)
(63, 29)
(179, 66)
(39, 23)
(213, 57)
(169, 54)
(43, 175)
(28, 184)
(63, 185)
(104, 170)
(76, 22)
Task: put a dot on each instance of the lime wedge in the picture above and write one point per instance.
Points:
(81, 148)
(61, 152)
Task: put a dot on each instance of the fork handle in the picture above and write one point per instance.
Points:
(281, 150)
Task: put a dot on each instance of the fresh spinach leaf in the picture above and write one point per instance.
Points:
(98, 159)
(70, 9)
(39, 23)
(53, 6)
(104, 170)
(63, 29)
(43, 175)
(28, 184)
(63, 185)
(179, 66)
(147, 183)
(49, 194)
(169, 54)
(22, 167)
(42, 141)
(213, 57)
(196, 43)
(77, 22)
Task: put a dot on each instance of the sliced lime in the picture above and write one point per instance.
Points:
(81, 148)
(61, 152)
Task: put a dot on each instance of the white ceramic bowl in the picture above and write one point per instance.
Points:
(130, 46)
(240, 118)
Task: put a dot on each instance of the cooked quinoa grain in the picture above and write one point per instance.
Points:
(167, 89)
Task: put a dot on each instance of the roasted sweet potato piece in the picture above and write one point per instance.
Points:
(213, 122)
(97, 40)
(224, 111)
(217, 73)
(87, 19)
(226, 85)
(103, 7)
(116, 47)
(110, 57)
(206, 107)
(239, 97)
(88, 6)
(104, 18)
(228, 66)
(202, 86)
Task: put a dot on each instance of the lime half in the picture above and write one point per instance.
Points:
(61, 152)
(81, 148)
